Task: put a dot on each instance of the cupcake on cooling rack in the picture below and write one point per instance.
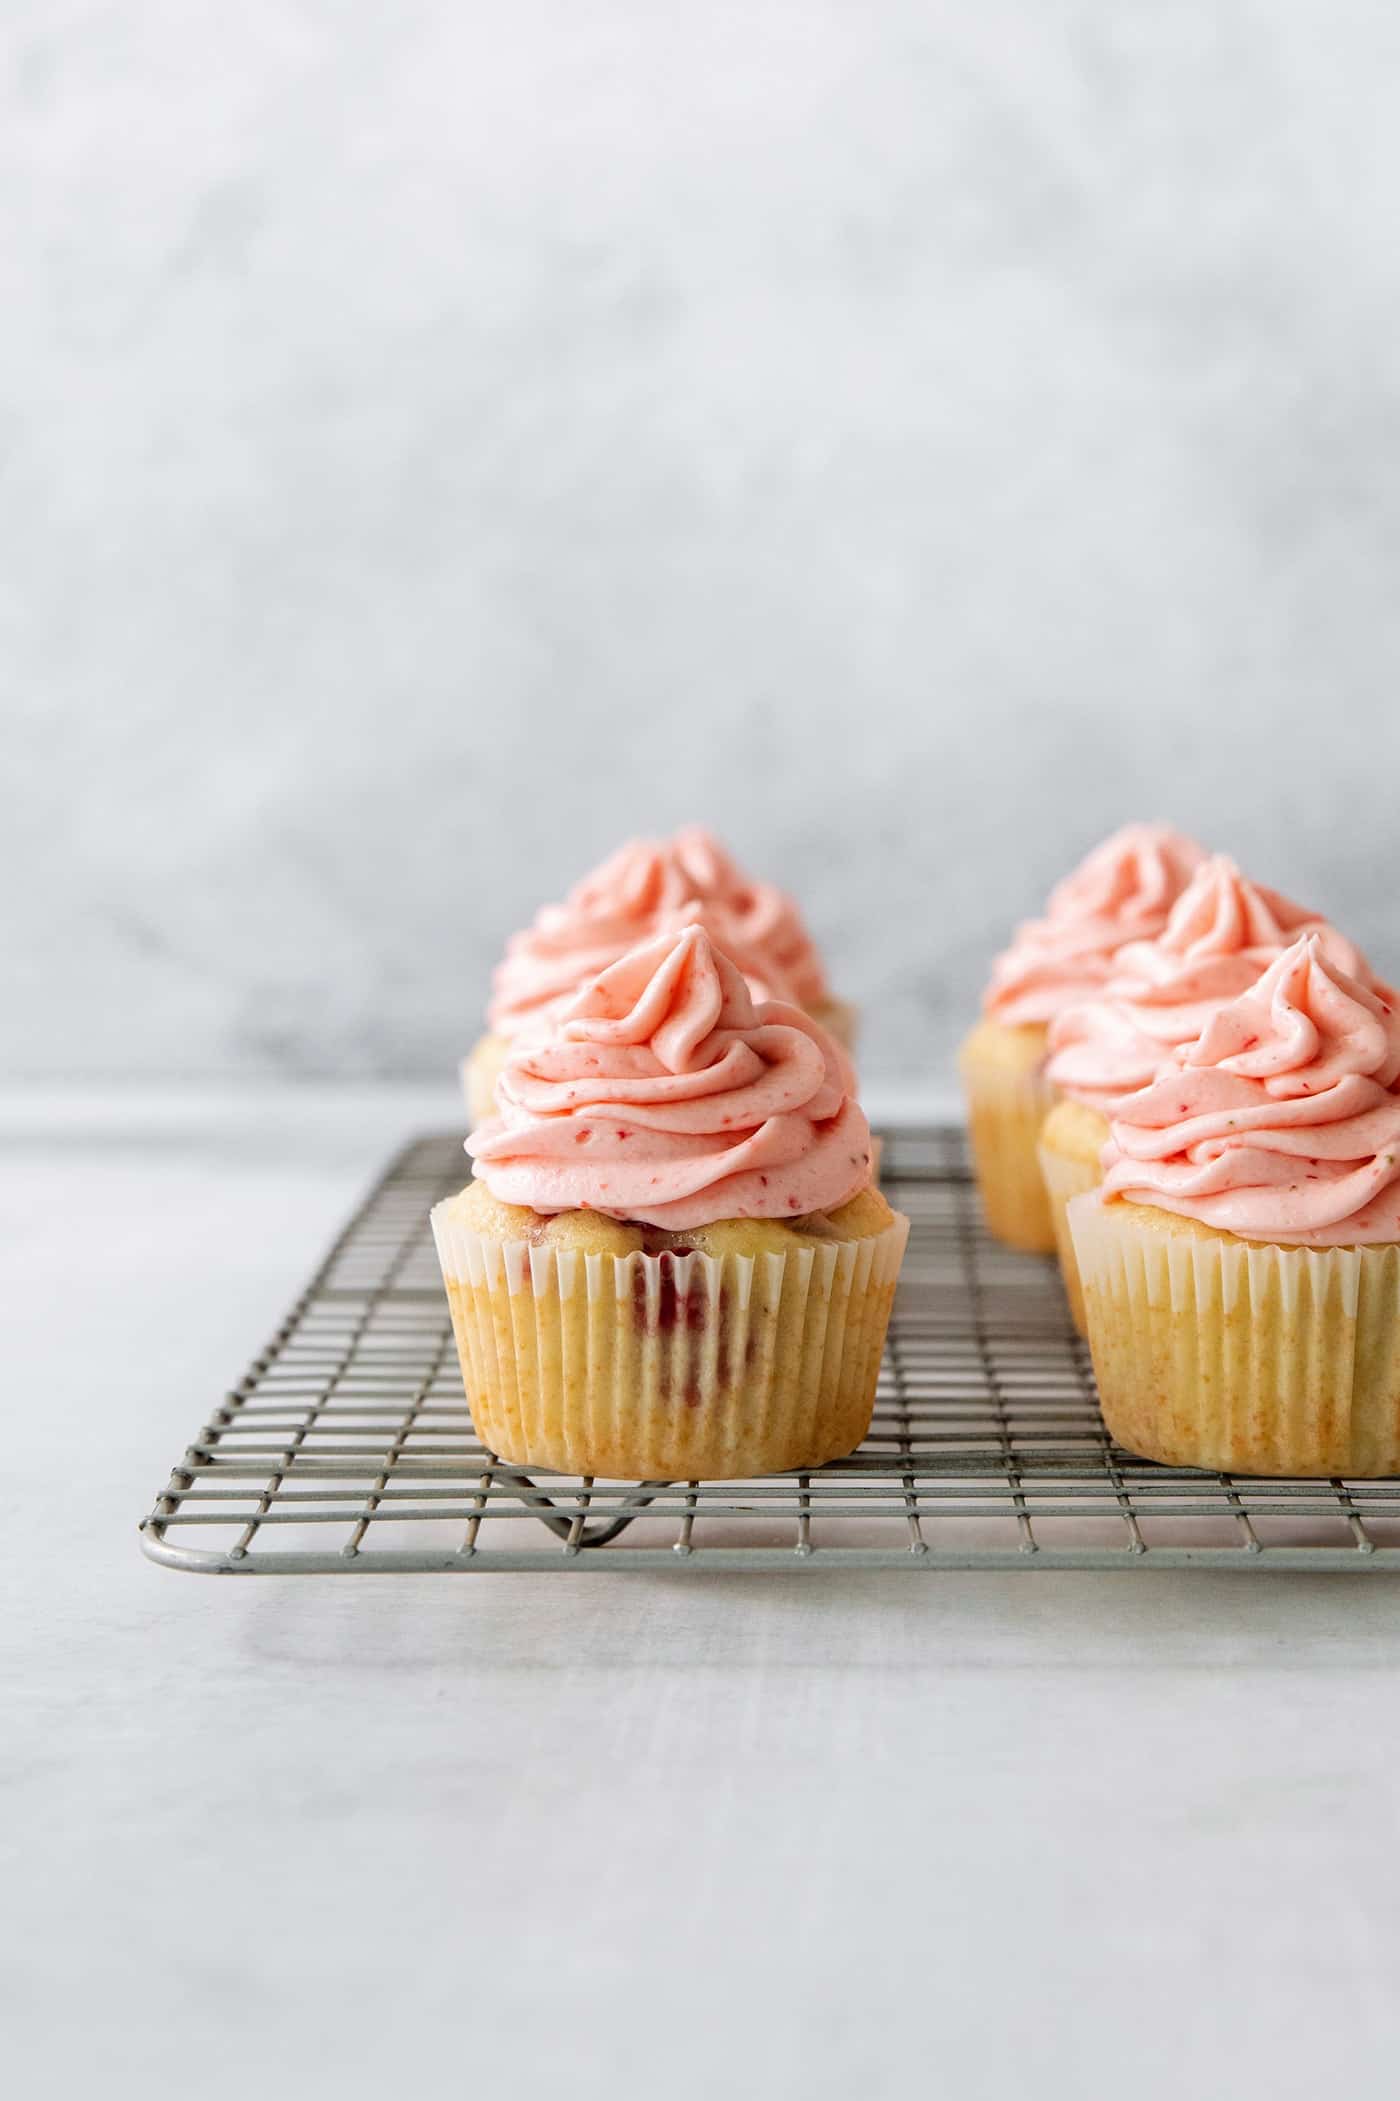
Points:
(651, 886)
(1122, 892)
(1241, 1261)
(1222, 935)
(672, 1262)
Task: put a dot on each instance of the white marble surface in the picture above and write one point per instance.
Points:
(982, 1836)
(441, 437)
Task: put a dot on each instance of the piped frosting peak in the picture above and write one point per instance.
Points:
(1123, 891)
(1223, 933)
(650, 886)
(1282, 1122)
(663, 1093)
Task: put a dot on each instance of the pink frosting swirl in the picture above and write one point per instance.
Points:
(1122, 892)
(1282, 1123)
(650, 886)
(664, 1095)
(1223, 933)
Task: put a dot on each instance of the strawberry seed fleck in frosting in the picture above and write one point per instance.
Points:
(664, 1094)
(1282, 1122)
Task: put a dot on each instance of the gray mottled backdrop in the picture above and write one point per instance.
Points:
(437, 439)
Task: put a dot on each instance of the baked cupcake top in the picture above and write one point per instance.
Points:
(664, 1094)
(1122, 892)
(1282, 1123)
(651, 886)
(1223, 933)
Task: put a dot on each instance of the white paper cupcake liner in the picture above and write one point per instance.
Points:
(1212, 1351)
(667, 1367)
(1005, 1112)
(1065, 1178)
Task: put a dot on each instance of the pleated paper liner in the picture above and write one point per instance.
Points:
(1065, 1178)
(1005, 1110)
(1224, 1353)
(669, 1367)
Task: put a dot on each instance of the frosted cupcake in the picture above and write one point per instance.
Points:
(1223, 933)
(651, 886)
(1122, 892)
(672, 1262)
(1241, 1262)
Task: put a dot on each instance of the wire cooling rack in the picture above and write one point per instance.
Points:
(348, 1448)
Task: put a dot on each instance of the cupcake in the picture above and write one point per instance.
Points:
(650, 886)
(1241, 1260)
(1223, 933)
(672, 1262)
(1122, 892)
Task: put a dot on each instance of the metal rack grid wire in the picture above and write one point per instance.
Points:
(348, 1447)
